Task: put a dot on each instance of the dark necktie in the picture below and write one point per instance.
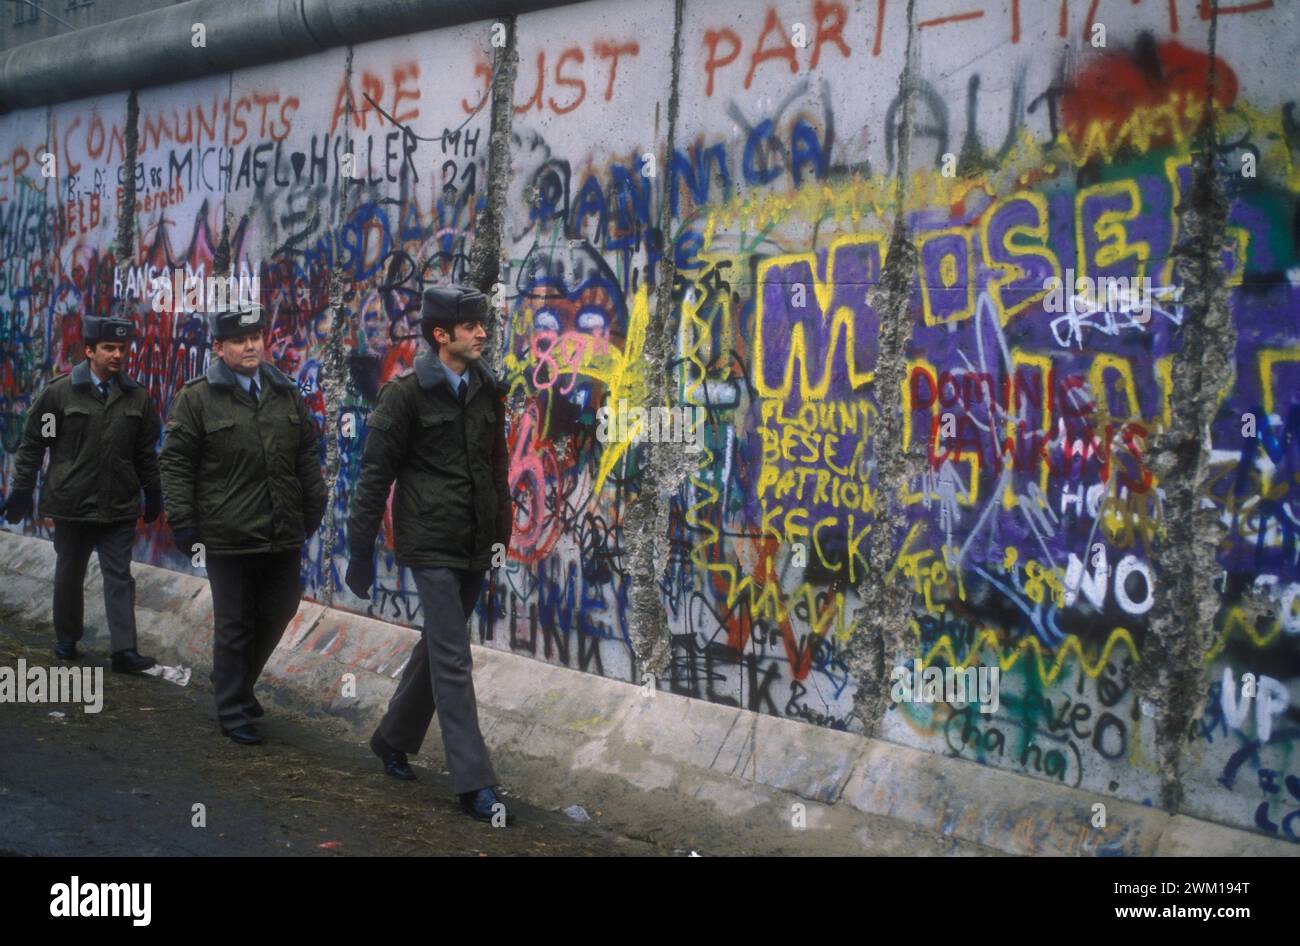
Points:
(460, 392)
(252, 388)
(103, 390)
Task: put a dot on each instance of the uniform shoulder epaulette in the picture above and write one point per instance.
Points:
(280, 378)
(195, 380)
(404, 377)
(61, 380)
(391, 382)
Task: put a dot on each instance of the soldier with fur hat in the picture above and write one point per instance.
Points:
(101, 431)
(439, 432)
(242, 483)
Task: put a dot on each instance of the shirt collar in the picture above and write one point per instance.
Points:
(267, 374)
(431, 373)
(83, 377)
(246, 382)
(452, 376)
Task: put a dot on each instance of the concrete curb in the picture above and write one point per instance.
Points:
(561, 733)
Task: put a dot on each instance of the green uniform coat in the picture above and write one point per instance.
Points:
(246, 476)
(102, 453)
(452, 502)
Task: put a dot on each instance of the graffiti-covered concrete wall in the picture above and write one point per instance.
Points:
(845, 341)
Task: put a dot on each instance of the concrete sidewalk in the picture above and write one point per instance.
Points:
(658, 762)
(125, 782)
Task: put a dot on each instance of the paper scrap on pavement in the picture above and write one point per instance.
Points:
(177, 675)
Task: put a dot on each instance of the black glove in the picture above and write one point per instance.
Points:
(18, 506)
(360, 576)
(185, 539)
(152, 504)
(312, 523)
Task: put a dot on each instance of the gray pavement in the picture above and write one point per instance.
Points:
(124, 782)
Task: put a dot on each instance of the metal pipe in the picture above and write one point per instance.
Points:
(155, 48)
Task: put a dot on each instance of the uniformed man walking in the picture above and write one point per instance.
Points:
(241, 480)
(438, 430)
(102, 434)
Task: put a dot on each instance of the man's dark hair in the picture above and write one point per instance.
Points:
(427, 331)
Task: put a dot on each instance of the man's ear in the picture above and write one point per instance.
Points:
(88, 350)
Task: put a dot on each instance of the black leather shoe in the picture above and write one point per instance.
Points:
(254, 709)
(128, 661)
(480, 804)
(66, 650)
(394, 760)
(245, 735)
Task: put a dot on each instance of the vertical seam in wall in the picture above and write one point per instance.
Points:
(485, 255)
(334, 372)
(882, 620)
(1203, 367)
(44, 362)
(126, 222)
(221, 257)
(646, 524)
(907, 87)
(340, 180)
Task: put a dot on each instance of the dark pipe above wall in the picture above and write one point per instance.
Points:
(155, 48)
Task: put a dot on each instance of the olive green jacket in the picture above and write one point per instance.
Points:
(452, 502)
(102, 453)
(245, 475)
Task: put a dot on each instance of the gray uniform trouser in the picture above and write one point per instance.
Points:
(73, 543)
(440, 672)
(254, 597)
